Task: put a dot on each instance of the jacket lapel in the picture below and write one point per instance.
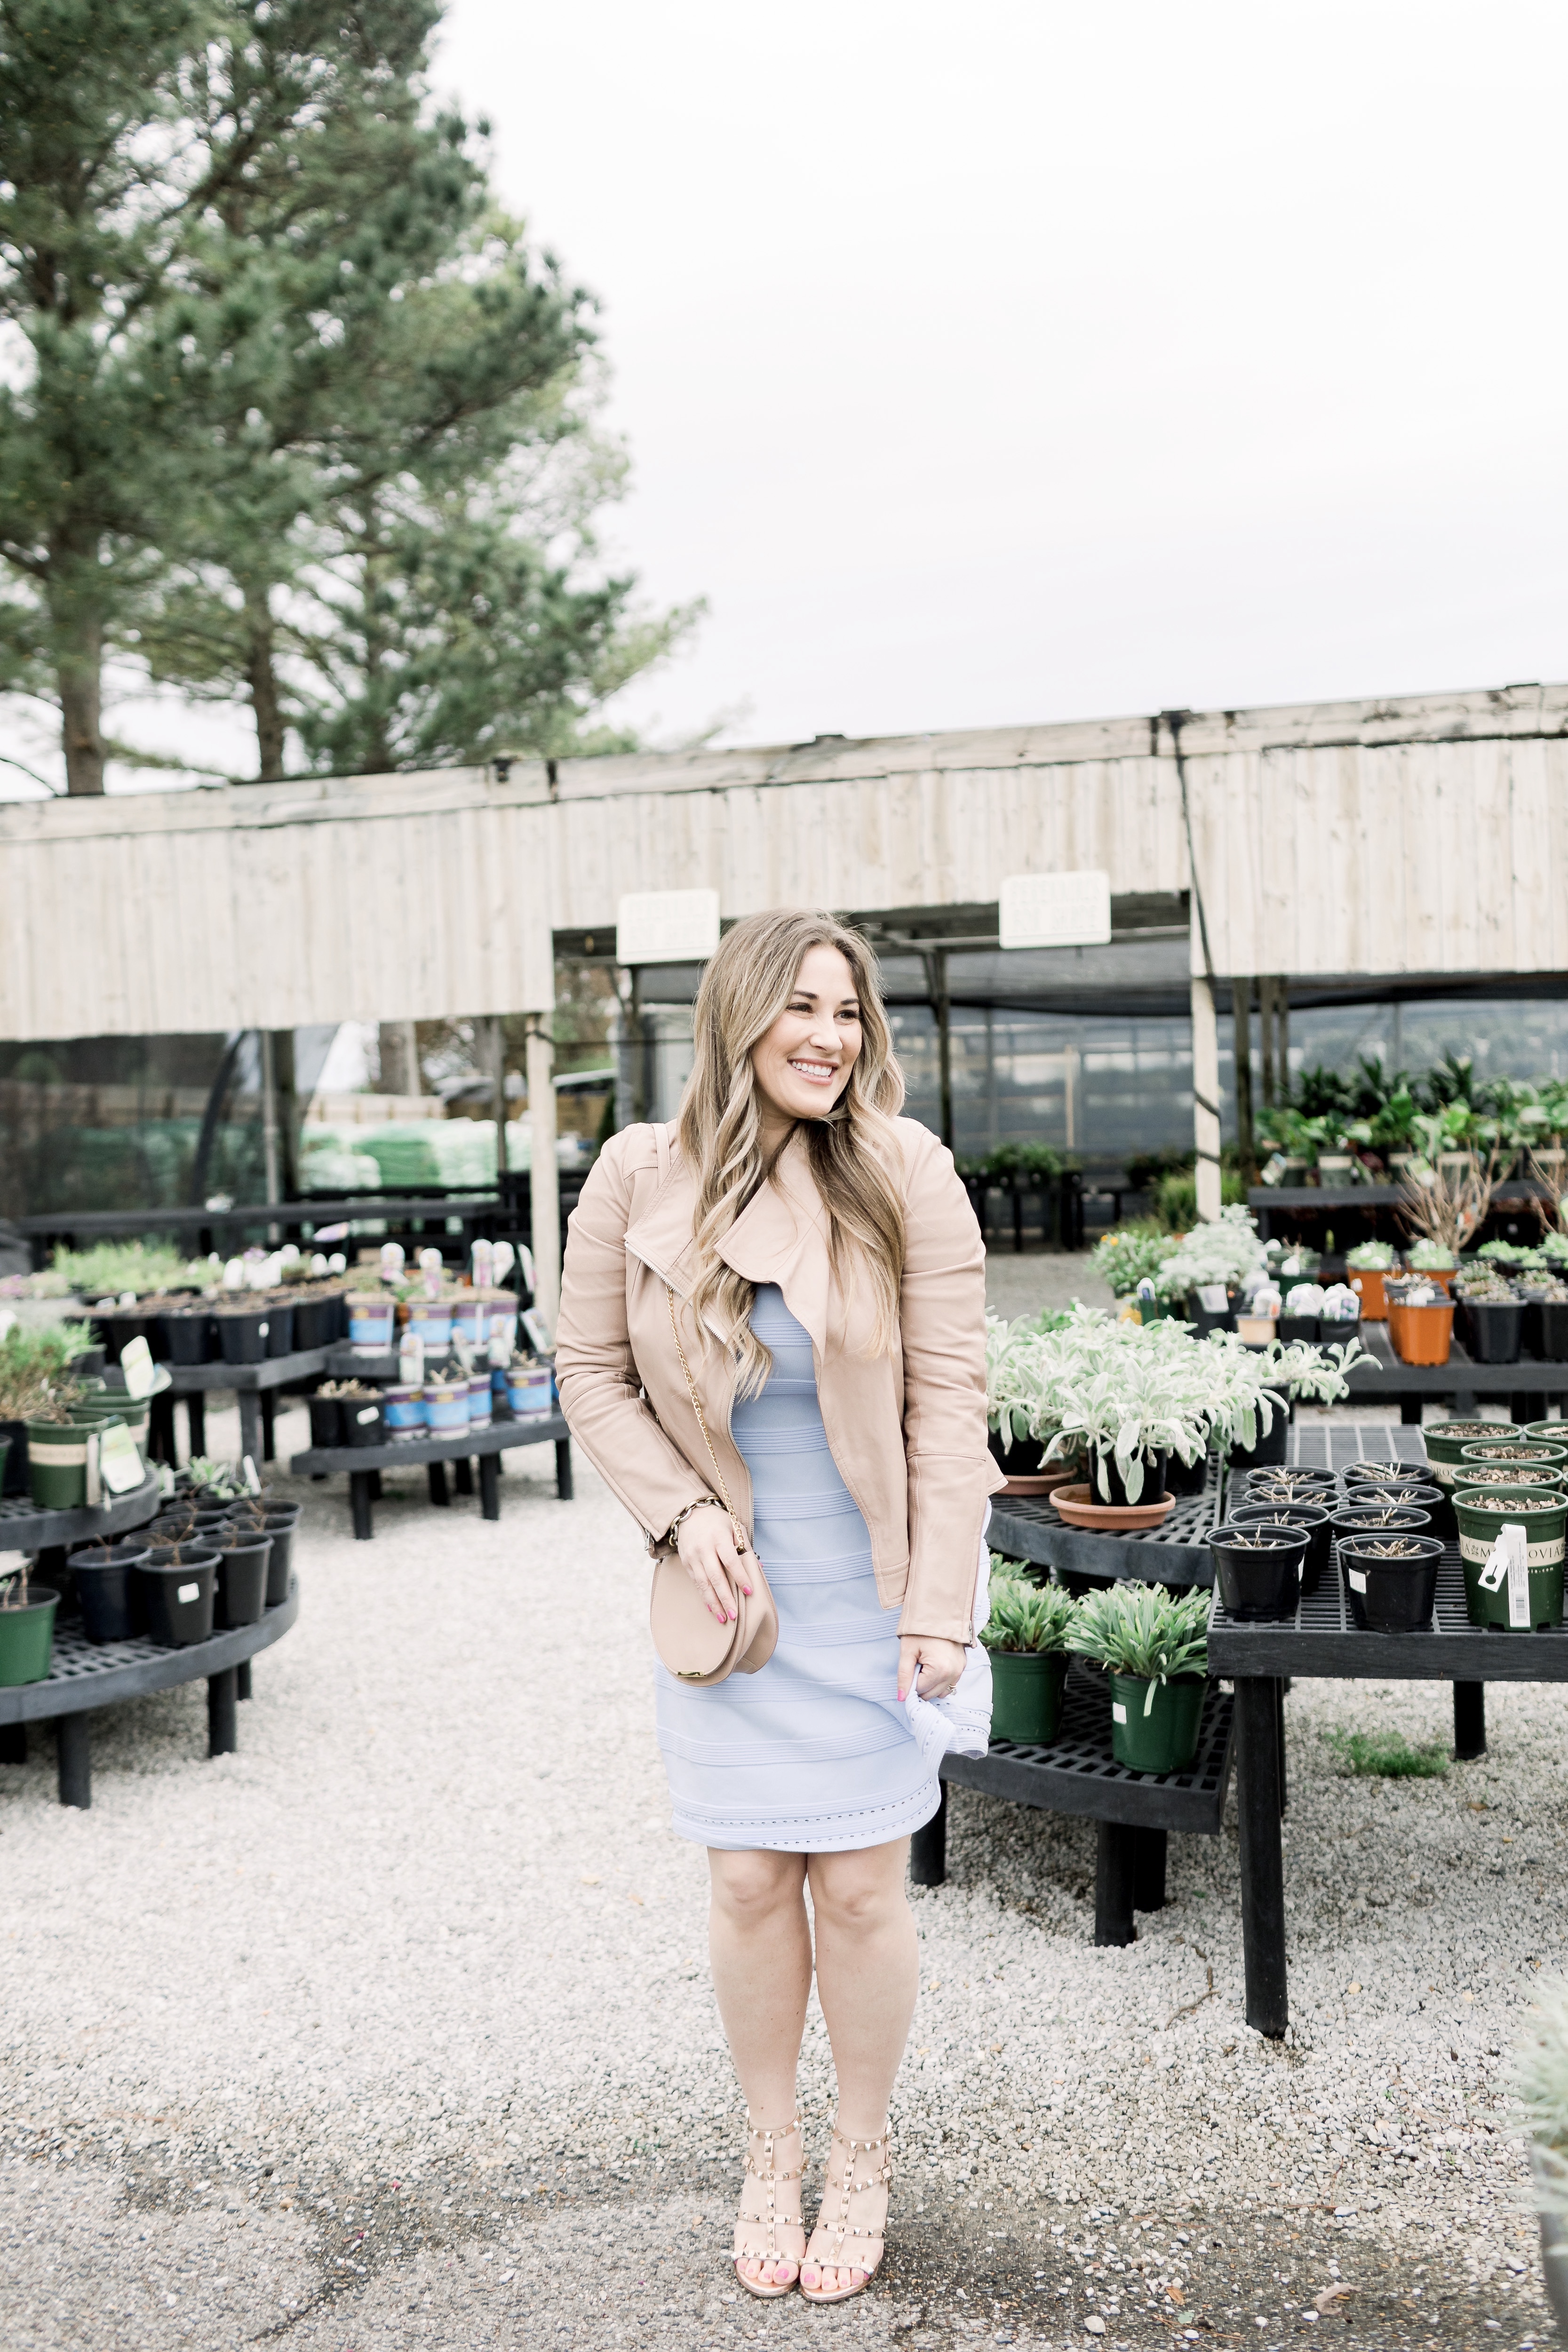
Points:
(660, 1234)
(781, 1235)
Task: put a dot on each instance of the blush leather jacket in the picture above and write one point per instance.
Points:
(906, 1430)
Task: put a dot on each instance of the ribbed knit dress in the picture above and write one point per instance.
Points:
(813, 1754)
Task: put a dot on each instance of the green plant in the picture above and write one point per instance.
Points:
(1373, 1257)
(1176, 1198)
(1025, 1616)
(14, 1583)
(1130, 1254)
(35, 1370)
(109, 1268)
(219, 1479)
(1224, 1249)
(1143, 1632)
(1429, 1256)
(1384, 1756)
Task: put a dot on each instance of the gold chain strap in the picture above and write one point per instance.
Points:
(741, 1543)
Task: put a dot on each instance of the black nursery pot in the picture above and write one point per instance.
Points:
(1186, 1478)
(1553, 1314)
(1294, 1328)
(1255, 1583)
(1391, 1596)
(365, 1421)
(1115, 1490)
(279, 1560)
(1354, 1518)
(13, 1477)
(103, 1589)
(326, 1422)
(242, 1335)
(315, 1322)
(189, 1337)
(1025, 1458)
(174, 1601)
(1270, 1450)
(280, 1331)
(1204, 1320)
(240, 1595)
(1313, 1518)
(1494, 1329)
(89, 1365)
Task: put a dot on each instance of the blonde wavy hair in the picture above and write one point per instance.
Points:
(852, 1151)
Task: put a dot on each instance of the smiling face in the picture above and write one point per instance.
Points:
(803, 1064)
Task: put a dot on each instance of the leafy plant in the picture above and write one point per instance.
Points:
(1023, 1616)
(1129, 1254)
(110, 1267)
(1143, 1632)
(36, 1380)
(218, 1481)
(1224, 1250)
(1385, 1755)
(1429, 1256)
(1176, 1197)
(1373, 1257)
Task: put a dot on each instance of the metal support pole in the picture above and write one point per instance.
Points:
(1113, 1883)
(544, 1175)
(927, 1847)
(1206, 1097)
(74, 1757)
(1470, 1722)
(223, 1722)
(1262, 1856)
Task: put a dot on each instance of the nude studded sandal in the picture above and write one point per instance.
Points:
(770, 2219)
(835, 2227)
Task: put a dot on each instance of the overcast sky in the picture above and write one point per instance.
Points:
(1025, 361)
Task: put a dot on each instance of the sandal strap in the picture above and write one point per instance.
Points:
(769, 2173)
(880, 2176)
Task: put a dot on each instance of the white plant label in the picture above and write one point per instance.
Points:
(252, 1481)
(119, 1464)
(140, 1371)
(1056, 910)
(187, 1591)
(368, 1415)
(667, 926)
(1357, 1578)
(1213, 1298)
(261, 1329)
(1118, 1711)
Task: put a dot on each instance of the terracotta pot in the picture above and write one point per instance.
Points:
(1424, 1334)
(1368, 1280)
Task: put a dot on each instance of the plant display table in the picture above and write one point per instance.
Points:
(364, 1463)
(87, 1675)
(255, 1386)
(1321, 1640)
(1024, 1526)
(24, 1527)
(1385, 1378)
(1291, 1202)
(1077, 1774)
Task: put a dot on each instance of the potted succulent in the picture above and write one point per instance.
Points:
(37, 1377)
(1026, 1636)
(1540, 2085)
(1129, 1254)
(1220, 1254)
(1493, 1315)
(1365, 1268)
(26, 1623)
(1303, 1305)
(1020, 1393)
(1435, 1260)
(1128, 1396)
(1154, 1646)
(1420, 1322)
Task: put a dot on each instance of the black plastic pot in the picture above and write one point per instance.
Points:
(1204, 1320)
(1391, 1596)
(1353, 1519)
(326, 1421)
(279, 1560)
(241, 1594)
(1414, 1498)
(1255, 1583)
(1270, 1450)
(1186, 1478)
(1313, 1518)
(1493, 1331)
(173, 1600)
(365, 1421)
(1553, 1330)
(316, 1321)
(89, 1365)
(279, 1330)
(1114, 1490)
(242, 1334)
(1025, 1458)
(13, 1478)
(188, 1337)
(1298, 1328)
(103, 1577)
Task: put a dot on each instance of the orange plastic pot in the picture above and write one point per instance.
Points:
(1368, 1280)
(1424, 1334)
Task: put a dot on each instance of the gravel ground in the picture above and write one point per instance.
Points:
(393, 2029)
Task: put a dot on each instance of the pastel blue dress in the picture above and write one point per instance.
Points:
(812, 1754)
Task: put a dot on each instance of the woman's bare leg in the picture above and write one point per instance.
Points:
(867, 1974)
(761, 1948)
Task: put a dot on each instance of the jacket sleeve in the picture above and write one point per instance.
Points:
(942, 1314)
(601, 1389)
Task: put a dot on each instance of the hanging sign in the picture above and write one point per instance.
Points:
(1056, 910)
(667, 926)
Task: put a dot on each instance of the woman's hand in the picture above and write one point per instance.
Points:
(714, 1561)
(938, 1664)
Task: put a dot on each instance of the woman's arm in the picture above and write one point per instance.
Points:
(601, 1389)
(941, 1316)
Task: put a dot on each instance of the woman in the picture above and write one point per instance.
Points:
(815, 1258)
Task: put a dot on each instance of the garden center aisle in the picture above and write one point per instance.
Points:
(395, 2028)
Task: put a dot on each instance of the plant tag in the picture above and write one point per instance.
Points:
(94, 1482)
(1118, 1711)
(1491, 1576)
(1213, 1298)
(261, 1329)
(370, 1414)
(187, 1591)
(247, 1468)
(538, 1336)
(1357, 1577)
(119, 1464)
(140, 1371)
(1515, 1539)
